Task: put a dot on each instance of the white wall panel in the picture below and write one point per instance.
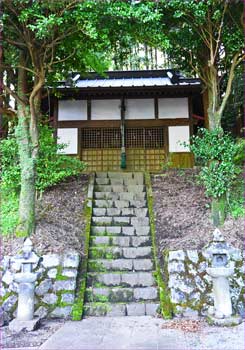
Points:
(177, 134)
(72, 110)
(105, 110)
(140, 108)
(171, 108)
(68, 136)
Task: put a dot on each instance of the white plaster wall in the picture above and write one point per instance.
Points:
(139, 108)
(68, 136)
(105, 110)
(72, 110)
(178, 134)
(171, 108)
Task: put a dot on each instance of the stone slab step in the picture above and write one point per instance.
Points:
(137, 212)
(100, 265)
(119, 252)
(119, 294)
(120, 196)
(119, 188)
(120, 230)
(120, 221)
(121, 241)
(122, 279)
(118, 181)
(121, 309)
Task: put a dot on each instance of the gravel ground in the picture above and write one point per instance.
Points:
(60, 221)
(182, 213)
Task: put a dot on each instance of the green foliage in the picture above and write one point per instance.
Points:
(216, 151)
(52, 167)
(9, 212)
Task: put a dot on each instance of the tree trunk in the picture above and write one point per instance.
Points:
(218, 210)
(26, 223)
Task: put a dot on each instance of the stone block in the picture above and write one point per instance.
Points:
(113, 230)
(16, 326)
(141, 241)
(176, 255)
(143, 264)
(115, 182)
(101, 174)
(135, 309)
(121, 241)
(176, 267)
(148, 293)
(121, 220)
(202, 267)
(193, 256)
(121, 204)
(137, 279)
(142, 230)
(135, 188)
(113, 212)
(177, 297)
(41, 312)
(122, 264)
(141, 196)
(71, 259)
(103, 203)
(43, 287)
(127, 231)
(8, 277)
(115, 310)
(109, 279)
(136, 222)
(102, 220)
(126, 196)
(138, 204)
(64, 285)
(69, 273)
(102, 181)
(121, 295)
(103, 188)
(106, 195)
(67, 298)
(132, 253)
(151, 309)
(141, 212)
(99, 211)
(62, 312)
(50, 298)
(117, 188)
(128, 212)
(99, 240)
(51, 260)
(98, 230)
(9, 303)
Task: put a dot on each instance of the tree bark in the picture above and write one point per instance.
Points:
(218, 206)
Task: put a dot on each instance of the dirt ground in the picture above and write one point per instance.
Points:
(182, 213)
(60, 221)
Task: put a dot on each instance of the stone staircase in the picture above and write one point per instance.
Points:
(120, 279)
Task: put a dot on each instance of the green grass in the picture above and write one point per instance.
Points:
(9, 205)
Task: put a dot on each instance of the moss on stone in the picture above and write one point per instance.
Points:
(166, 306)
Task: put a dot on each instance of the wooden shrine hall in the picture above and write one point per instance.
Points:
(132, 120)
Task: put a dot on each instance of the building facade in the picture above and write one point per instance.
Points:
(132, 120)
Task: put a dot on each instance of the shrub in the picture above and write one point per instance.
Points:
(52, 167)
(216, 151)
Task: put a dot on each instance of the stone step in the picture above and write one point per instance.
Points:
(119, 188)
(121, 309)
(119, 204)
(120, 230)
(121, 181)
(102, 265)
(121, 241)
(120, 221)
(119, 294)
(119, 252)
(137, 212)
(122, 279)
(120, 196)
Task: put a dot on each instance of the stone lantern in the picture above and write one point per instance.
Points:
(26, 280)
(221, 269)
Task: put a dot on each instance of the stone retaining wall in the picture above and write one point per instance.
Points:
(55, 286)
(189, 284)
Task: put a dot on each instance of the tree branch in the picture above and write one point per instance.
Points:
(13, 94)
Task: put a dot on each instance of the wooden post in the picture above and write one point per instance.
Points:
(205, 108)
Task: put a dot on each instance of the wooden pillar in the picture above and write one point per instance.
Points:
(205, 108)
